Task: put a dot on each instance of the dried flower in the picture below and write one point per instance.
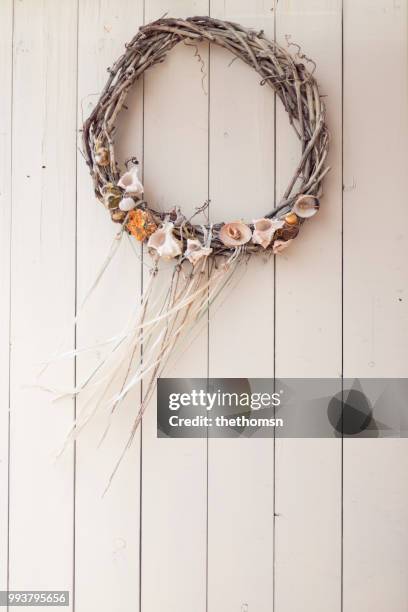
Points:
(164, 242)
(195, 251)
(140, 224)
(235, 234)
(265, 230)
(280, 245)
(111, 196)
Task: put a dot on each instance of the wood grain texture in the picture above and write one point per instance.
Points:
(6, 68)
(308, 336)
(107, 527)
(42, 291)
(240, 472)
(375, 295)
(175, 174)
(228, 525)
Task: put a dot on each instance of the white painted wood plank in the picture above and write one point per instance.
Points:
(6, 42)
(43, 290)
(308, 336)
(107, 528)
(174, 470)
(240, 488)
(375, 295)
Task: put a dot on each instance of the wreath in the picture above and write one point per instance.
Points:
(170, 234)
(205, 255)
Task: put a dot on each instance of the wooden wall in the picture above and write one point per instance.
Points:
(223, 525)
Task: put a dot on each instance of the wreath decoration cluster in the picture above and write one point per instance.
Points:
(141, 351)
(170, 234)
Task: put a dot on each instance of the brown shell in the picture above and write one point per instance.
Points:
(287, 232)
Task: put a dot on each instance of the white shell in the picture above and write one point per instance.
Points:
(265, 230)
(195, 251)
(127, 203)
(242, 233)
(164, 242)
(280, 245)
(306, 206)
(130, 181)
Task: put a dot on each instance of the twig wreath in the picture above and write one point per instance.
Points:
(170, 234)
(206, 255)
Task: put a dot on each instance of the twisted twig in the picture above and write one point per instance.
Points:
(293, 83)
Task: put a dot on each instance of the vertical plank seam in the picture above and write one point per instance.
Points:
(274, 337)
(74, 457)
(10, 296)
(141, 353)
(208, 325)
(342, 319)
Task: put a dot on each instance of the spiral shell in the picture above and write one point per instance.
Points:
(164, 242)
(130, 182)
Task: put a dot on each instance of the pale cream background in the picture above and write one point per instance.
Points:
(232, 526)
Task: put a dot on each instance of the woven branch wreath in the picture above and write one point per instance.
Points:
(206, 255)
(169, 234)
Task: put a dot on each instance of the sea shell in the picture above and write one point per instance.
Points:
(287, 232)
(280, 245)
(127, 203)
(195, 251)
(291, 219)
(164, 242)
(235, 234)
(129, 181)
(306, 206)
(141, 224)
(265, 229)
(102, 156)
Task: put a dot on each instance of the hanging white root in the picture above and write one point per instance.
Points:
(141, 352)
(181, 324)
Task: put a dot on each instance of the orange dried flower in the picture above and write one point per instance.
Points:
(140, 224)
